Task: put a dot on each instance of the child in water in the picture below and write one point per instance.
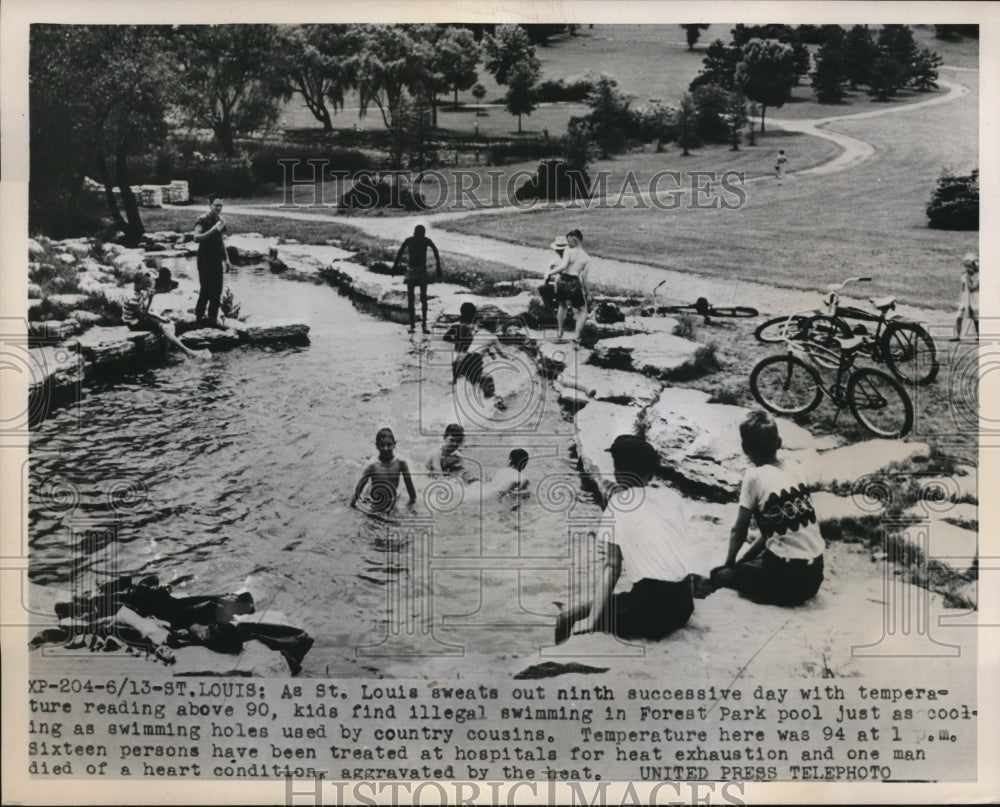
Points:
(384, 472)
(446, 460)
(510, 480)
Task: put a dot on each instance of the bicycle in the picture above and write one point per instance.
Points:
(787, 384)
(701, 306)
(902, 345)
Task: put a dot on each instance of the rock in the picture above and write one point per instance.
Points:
(245, 248)
(700, 442)
(305, 258)
(34, 291)
(277, 332)
(831, 507)
(212, 338)
(66, 258)
(657, 354)
(487, 307)
(555, 356)
(596, 428)
(256, 660)
(34, 248)
(67, 300)
(968, 594)
(948, 545)
(55, 330)
(86, 318)
(614, 386)
(850, 463)
(129, 261)
(90, 284)
(654, 324)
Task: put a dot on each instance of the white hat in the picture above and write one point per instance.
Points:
(560, 242)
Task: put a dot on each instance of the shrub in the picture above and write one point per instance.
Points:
(556, 91)
(954, 205)
(52, 212)
(54, 277)
(266, 167)
(523, 150)
(231, 176)
(554, 179)
(367, 194)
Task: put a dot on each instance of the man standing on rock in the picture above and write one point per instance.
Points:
(416, 273)
(212, 258)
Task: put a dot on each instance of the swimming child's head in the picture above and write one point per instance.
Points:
(454, 435)
(467, 313)
(761, 440)
(519, 459)
(635, 460)
(419, 231)
(385, 442)
(971, 262)
(488, 385)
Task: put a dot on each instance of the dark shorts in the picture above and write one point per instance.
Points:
(776, 581)
(651, 609)
(569, 290)
(468, 365)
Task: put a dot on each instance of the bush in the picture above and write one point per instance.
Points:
(553, 180)
(523, 150)
(556, 91)
(51, 212)
(366, 194)
(228, 176)
(54, 277)
(266, 167)
(954, 205)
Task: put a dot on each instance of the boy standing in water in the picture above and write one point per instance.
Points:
(416, 274)
(212, 257)
(384, 472)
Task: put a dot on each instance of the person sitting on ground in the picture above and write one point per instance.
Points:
(446, 460)
(968, 301)
(137, 316)
(384, 473)
(784, 566)
(510, 480)
(473, 344)
(571, 284)
(649, 539)
(461, 334)
(416, 273)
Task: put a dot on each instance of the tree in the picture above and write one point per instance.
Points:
(320, 63)
(540, 33)
(925, 70)
(609, 115)
(831, 74)
(897, 42)
(711, 104)
(455, 58)
(887, 77)
(859, 54)
(684, 120)
(803, 60)
(479, 93)
(507, 50)
(718, 67)
(520, 84)
(98, 96)
(766, 74)
(226, 83)
(736, 117)
(392, 60)
(693, 32)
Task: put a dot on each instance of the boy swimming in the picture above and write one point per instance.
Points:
(447, 460)
(384, 472)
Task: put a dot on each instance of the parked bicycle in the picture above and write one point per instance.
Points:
(902, 345)
(792, 384)
(701, 306)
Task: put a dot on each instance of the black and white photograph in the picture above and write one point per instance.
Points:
(550, 403)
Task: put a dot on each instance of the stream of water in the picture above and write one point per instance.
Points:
(237, 473)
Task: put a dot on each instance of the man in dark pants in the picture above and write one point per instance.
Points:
(212, 258)
(416, 274)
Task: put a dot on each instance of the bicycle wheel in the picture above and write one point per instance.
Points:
(910, 353)
(780, 329)
(786, 385)
(879, 403)
(734, 311)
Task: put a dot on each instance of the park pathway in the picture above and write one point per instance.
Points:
(631, 277)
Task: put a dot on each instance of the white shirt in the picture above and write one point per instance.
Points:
(778, 498)
(649, 528)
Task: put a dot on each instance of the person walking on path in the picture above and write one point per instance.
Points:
(779, 166)
(968, 301)
(416, 273)
(571, 285)
(212, 258)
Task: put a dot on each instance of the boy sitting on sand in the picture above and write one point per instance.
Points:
(446, 460)
(649, 539)
(384, 472)
(785, 565)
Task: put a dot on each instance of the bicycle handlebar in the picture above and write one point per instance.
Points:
(839, 286)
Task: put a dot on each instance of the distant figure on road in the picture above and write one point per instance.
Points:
(968, 301)
(779, 166)
(212, 258)
(416, 274)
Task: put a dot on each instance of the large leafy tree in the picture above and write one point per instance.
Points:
(229, 83)
(609, 117)
(320, 63)
(718, 67)
(394, 59)
(507, 51)
(98, 96)
(830, 77)
(456, 56)
(859, 54)
(693, 32)
(925, 70)
(520, 96)
(766, 74)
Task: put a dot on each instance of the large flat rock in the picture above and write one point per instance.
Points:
(596, 428)
(700, 442)
(250, 247)
(602, 384)
(305, 258)
(656, 354)
(555, 357)
(850, 464)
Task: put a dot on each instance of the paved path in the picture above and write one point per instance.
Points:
(637, 278)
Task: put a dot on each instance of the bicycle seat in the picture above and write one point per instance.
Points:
(851, 342)
(883, 303)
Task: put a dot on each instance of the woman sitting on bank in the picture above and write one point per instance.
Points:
(138, 317)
